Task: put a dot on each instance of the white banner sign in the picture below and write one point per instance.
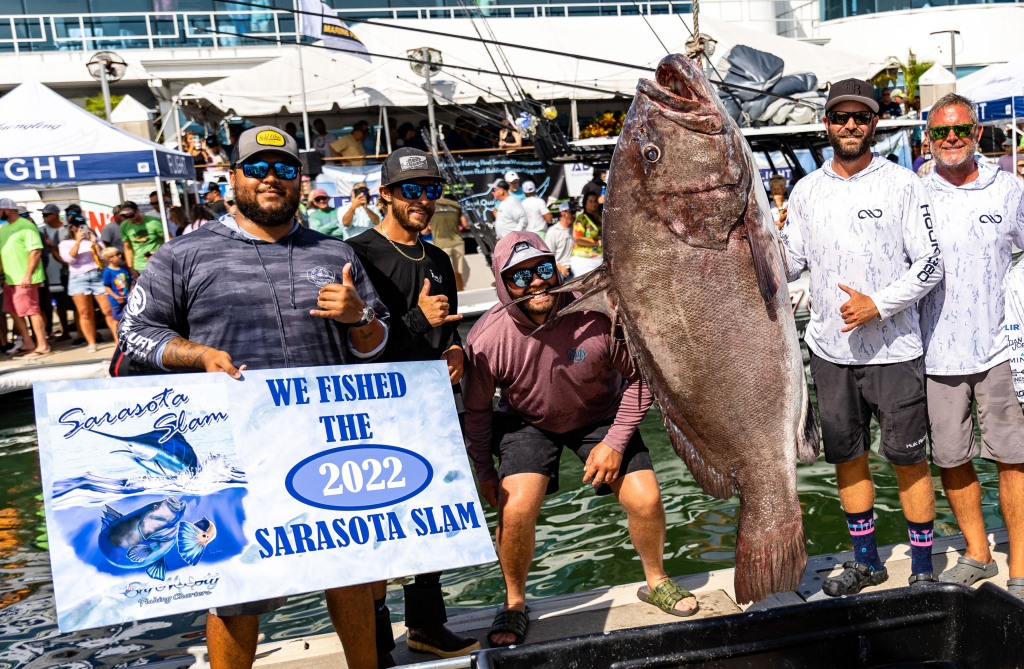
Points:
(167, 494)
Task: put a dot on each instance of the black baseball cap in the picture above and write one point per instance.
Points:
(852, 90)
(408, 163)
(265, 138)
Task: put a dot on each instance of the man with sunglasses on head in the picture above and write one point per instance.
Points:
(863, 227)
(569, 385)
(966, 346)
(416, 282)
(259, 290)
(361, 214)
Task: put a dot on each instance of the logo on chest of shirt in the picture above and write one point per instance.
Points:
(990, 219)
(435, 277)
(869, 213)
(574, 355)
(320, 276)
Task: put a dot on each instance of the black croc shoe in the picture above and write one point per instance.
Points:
(854, 577)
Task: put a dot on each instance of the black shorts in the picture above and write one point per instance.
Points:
(849, 395)
(524, 449)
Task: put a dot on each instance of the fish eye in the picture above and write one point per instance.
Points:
(651, 153)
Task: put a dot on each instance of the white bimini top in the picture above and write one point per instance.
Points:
(873, 233)
(977, 225)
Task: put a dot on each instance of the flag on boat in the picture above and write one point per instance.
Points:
(319, 21)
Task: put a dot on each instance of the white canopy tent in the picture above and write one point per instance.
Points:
(337, 80)
(47, 141)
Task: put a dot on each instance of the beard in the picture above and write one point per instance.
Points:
(267, 216)
(849, 153)
(944, 159)
(401, 214)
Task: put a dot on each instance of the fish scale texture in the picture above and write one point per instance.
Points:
(724, 365)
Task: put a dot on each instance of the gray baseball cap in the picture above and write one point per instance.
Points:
(408, 163)
(8, 203)
(51, 209)
(852, 90)
(524, 250)
(264, 138)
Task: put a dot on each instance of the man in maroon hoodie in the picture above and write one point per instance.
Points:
(571, 385)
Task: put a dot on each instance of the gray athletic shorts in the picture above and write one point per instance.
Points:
(250, 608)
(999, 416)
(849, 395)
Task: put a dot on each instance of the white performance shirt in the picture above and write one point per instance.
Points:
(511, 217)
(962, 320)
(873, 233)
(535, 210)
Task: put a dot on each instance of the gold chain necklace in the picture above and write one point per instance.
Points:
(404, 255)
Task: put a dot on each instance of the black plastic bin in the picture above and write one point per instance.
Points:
(940, 626)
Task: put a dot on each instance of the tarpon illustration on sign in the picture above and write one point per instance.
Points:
(155, 453)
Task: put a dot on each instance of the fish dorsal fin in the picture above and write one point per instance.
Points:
(157, 569)
(764, 244)
(110, 516)
(139, 552)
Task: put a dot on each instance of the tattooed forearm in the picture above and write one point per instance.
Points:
(181, 354)
(368, 337)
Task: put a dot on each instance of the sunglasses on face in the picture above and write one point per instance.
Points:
(320, 199)
(524, 277)
(842, 118)
(941, 132)
(413, 191)
(260, 169)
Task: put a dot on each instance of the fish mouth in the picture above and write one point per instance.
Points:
(681, 93)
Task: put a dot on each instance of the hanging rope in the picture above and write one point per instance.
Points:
(696, 29)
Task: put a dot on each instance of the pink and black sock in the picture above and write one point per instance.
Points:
(862, 531)
(921, 536)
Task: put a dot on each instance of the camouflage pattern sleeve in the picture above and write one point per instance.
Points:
(155, 312)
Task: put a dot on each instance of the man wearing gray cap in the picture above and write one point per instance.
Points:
(21, 253)
(863, 227)
(259, 290)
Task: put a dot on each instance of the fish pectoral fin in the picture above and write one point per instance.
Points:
(110, 516)
(166, 534)
(190, 547)
(139, 552)
(808, 443)
(712, 481)
(157, 570)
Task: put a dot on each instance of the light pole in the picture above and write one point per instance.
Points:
(952, 50)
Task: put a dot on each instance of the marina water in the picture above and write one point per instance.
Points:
(582, 544)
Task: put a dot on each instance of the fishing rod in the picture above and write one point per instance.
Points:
(551, 52)
(477, 70)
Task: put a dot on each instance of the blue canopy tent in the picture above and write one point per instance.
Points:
(47, 141)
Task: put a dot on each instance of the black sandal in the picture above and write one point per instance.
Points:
(855, 576)
(509, 621)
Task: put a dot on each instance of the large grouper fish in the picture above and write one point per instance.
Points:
(694, 273)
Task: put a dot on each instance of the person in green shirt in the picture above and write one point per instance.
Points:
(21, 250)
(142, 236)
(322, 216)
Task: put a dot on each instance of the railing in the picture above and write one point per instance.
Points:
(253, 27)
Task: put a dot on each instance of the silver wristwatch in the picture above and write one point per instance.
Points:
(369, 315)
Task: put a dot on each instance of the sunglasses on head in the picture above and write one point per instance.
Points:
(941, 132)
(260, 168)
(842, 118)
(413, 191)
(524, 277)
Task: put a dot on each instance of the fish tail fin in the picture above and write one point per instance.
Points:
(808, 442)
(768, 559)
(157, 570)
(189, 546)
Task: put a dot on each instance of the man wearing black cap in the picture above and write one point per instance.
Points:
(416, 281)
(862, 226)
(259, 290)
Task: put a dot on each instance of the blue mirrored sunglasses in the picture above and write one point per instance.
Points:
(413, 191)
(259, 170)
(524, 277)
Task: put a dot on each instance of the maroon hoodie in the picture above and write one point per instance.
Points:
(571, 374)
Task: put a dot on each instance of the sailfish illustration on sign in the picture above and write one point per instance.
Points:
(157, 454)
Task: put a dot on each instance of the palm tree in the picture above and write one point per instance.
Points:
(912, 70)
